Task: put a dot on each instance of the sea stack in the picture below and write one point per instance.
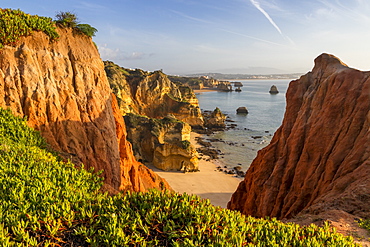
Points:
(242, 110)
(319, 159)
(215, 120)
(273, 90)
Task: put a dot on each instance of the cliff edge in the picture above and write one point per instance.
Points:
(319, 159)
(62, 89)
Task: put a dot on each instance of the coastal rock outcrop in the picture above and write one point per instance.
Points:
(62, 89)
(214, 120)
(319, 159)
(153, 95)
(242, 110)
(165, 143)
(273, 90)
(225, 86)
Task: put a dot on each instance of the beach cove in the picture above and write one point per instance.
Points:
(237, 146)
(208, 183)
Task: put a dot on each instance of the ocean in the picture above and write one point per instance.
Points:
(254, 131)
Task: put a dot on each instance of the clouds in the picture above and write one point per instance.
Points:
(258, 6)
(117, 54)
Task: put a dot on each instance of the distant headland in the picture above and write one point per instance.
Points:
(220, 76)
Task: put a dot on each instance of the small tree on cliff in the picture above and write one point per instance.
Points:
(87, 29)
(69, 19)
(66, 19)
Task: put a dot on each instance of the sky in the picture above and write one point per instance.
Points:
(226, 36)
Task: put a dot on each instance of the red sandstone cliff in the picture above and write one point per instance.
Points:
(319, 159)
(63, 90)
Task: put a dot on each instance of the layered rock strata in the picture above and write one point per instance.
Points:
(153, 95)
(319, 159)
(146, 99)
(62, 89)
(165, 143)
(214, 120)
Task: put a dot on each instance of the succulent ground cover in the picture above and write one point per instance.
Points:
(47, 202)
(15, 24)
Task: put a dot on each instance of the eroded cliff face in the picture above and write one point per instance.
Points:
(165, 143)
(152, 94)
(319, 159)
(62, 89)
(146, 99)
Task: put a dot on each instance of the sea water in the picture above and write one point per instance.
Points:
(254, 130)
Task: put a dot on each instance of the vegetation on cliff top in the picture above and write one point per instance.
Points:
(69, 19)
(15, 24)
(44, 202)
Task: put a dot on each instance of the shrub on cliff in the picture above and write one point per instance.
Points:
(69, 19)
(15, 24)
(66, 19)
(47, 202)
(87, 29)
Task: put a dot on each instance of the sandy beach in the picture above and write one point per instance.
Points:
(205, 89)
(208, 183)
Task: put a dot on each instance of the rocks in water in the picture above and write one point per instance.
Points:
(214, 120)
(225, 86)
(238, 86)
(257, 137)
(273, 90)
(242, 110)
(204, 143)
(318, 160)
(212, 153)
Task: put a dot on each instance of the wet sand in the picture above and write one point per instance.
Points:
(209, 183)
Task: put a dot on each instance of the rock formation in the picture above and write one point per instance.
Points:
(214, 120)
(238, 86)
(146, 99)
(319, 159)
(273, 90)
(165, 143)
(242, 110)
(225, 86)
(152, 94)
(62, 89)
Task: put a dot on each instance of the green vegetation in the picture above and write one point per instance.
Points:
(186, 144)
(365, 224)
(15, 24)
(87, 29)
(190, 81)
(69, 19)
(46, 202)
(66, 19)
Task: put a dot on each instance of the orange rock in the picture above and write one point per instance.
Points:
(319, 159)
(62, 88)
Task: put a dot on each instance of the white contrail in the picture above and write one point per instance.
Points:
(258, 6)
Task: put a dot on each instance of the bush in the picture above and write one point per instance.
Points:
(69, 19)
(46, 202)
(15, 24)
(66, 19)
(365, 224)
(87, 29)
